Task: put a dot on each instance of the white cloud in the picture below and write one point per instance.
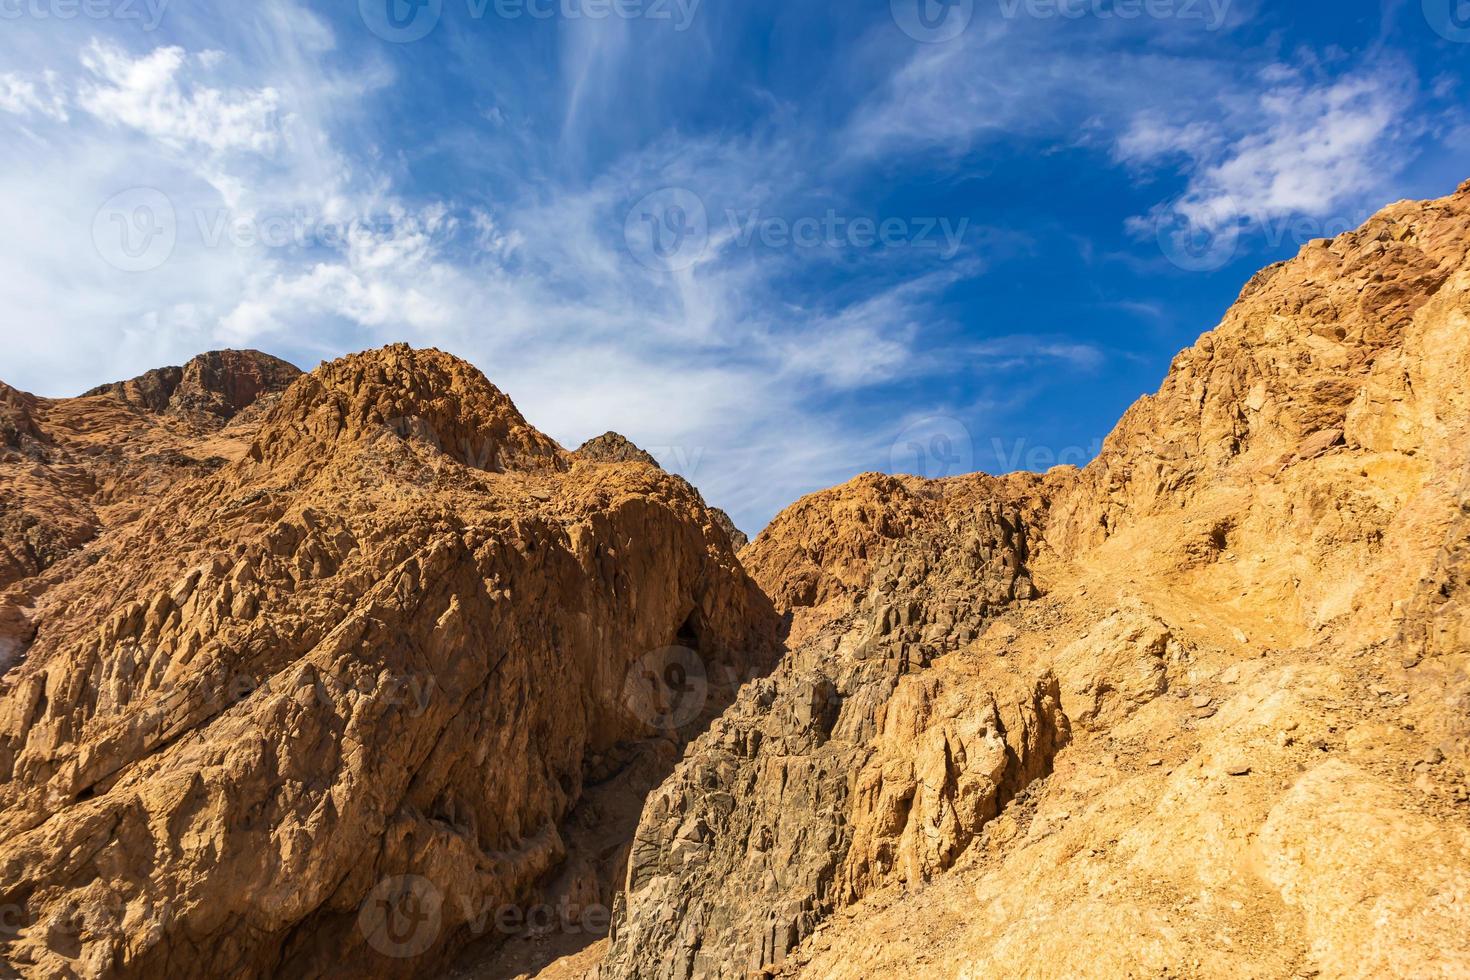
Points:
(704, 367)
(950, 96)
(1005, 79)
(1305, 150)
(1150, 137)
(23, 96)
(1028, 353)
(491, 239)
(152, 95)
(1254, 142)
(721, 369)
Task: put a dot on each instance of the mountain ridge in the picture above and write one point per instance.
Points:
(1213, 684)
(1251, 539)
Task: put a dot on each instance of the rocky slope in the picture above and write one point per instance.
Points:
(1199, 709)
(220, 384)
(70, 467)
(321, 683)
(323, 709)
(807, 791)
(612, 447)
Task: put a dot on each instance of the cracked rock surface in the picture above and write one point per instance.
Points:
(329, 664)
(309, 676)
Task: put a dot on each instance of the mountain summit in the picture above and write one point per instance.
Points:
(336, 674)
(220, 383)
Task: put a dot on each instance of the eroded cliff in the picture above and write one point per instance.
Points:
(1199, 709)
(328, 669)
(314, 680)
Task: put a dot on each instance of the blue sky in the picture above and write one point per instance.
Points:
(776, 243)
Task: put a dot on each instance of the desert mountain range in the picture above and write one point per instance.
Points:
(355, 673)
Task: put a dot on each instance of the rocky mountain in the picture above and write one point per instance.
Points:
(1199, 709)
(71, 468)
(353, 678)
(382, 654)
(611, 447)
(219, 384)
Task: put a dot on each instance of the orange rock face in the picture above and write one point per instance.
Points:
(1136, 719)
(74, 466)
(384, 645)
(319, 675)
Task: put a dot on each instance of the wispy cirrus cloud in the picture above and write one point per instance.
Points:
(333, 193)
(706, 365)
(1255, 135)
(39, 96)
(1298, 148)
(152, 95)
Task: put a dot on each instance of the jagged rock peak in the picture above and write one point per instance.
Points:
(613, 447)
(423, 396)
(738, 538)
(17, 427)
(610, 447)
(220, 383)
(443, 665)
